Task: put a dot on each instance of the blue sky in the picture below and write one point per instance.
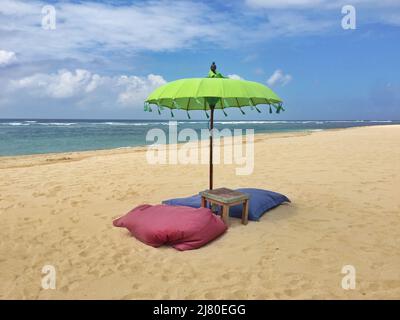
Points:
(104, 57)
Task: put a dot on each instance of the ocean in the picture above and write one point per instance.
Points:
(35, 136)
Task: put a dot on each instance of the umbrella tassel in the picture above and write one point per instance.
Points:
(146, 106)
(241, 111)
(172, 114)
(206, 114)
(258, 110)
(270, 109)
(251, 104)
(222, 106)
(188, 115)
(159, 112)
(176, 105)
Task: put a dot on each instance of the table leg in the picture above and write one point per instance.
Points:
(225, 214)
(203, 202)
(245, 213)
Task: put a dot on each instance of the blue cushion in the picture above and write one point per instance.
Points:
(260, 202)
(193, 201)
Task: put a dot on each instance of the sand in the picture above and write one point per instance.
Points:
(345, 191)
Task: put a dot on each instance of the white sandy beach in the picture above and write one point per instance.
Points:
(345, 190)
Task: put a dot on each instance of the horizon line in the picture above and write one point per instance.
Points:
(205, 120)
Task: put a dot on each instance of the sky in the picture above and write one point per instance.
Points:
(101, 59)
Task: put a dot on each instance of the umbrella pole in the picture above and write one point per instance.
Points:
(211, 145)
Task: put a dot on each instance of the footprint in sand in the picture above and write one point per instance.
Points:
(84, 254)
(74, 204)
(38, 194)
(74, 219)
(55, 212)
(54, 191)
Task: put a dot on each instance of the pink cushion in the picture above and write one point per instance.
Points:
(184, 228)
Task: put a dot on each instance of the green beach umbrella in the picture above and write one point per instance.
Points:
(211, 93)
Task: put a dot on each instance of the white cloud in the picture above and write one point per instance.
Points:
(63, 84)
(7, 57)
(235, 77)
(279, 78)
(293, 23)
(136, 89)
(385, 12)
(88, 30)
(390, 18)
(85, 87)
(281, 4)
(321, 4)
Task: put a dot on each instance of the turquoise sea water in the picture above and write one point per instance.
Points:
(28, 136)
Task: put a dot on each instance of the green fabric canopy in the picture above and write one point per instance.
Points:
(207, 93)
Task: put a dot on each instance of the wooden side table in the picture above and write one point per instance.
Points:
(226, 198)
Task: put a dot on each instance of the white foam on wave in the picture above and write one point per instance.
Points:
(308, 121)
(358, 121)
(15, 123)
(251, 122)
(193, 122)
(56, 123)
(132, 123)
(270, 122)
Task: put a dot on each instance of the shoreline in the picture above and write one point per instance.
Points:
(70, 156)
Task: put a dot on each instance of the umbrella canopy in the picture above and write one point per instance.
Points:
(214, 92)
